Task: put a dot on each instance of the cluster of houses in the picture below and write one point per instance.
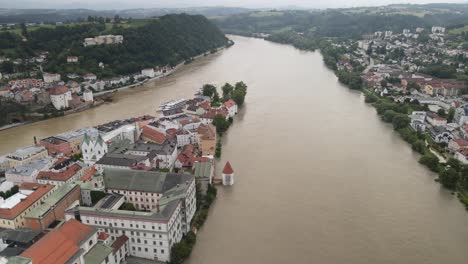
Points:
(101, 194)
(396, 76)
(103, 40)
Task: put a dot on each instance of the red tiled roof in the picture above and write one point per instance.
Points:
(59, 245)
(89, 174)
(59, 176)
(58, 90)
(230, 103)
(39, 191)
(119, 242)
(205, 105)
(212, 113)
(228, 169)
(153, 135)
(461, 142)
(103, 236)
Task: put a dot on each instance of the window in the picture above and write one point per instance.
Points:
(90, 242)
(162, 251)
(160, 243)
(139, 248)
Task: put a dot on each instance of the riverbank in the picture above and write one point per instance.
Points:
(453, 175)
(108, 94)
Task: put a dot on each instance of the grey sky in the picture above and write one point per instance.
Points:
(124, 4)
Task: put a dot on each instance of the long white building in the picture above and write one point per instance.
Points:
(166, 203)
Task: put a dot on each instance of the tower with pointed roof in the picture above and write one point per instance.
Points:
(228, 174)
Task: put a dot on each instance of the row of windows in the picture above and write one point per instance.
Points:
(146, 250)
(96, 222)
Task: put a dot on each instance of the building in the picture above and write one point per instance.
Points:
(103, 40)
(435, 120)
(59, 177)
(440, 135)
(207, 139)
(93, 149)
(122, 161)
(149, 72)
(76, 137)
(231, 106)
(23, 156)
(88, 95)
(60, 97)
(153, 232)
(159, 155)
(461, 116)
(52, 209)
(76, 243)
(457, 144)
(56, 146)
(228, 174)
(417, 120)
(14, 208)
(143, 188)
(204, 173)
(16, 241)
(72, 59)
(88, 77)
(438, 30)
(462, 155)
(29, 171)
(51, 77)
(152, 134)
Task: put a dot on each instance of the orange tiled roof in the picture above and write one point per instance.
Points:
(60, 245)
(230, 103)
(207, 132)
(57, 90)
(89, 174)
(59, 176)
(153, 135)
(39, 192)
(228, 169)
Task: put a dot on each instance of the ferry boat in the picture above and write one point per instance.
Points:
(173, 104)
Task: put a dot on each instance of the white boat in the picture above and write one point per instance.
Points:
(173, 104)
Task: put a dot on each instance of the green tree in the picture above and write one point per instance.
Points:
(227, 91)
(450, 115)
(221, 124)
(448, 178)
(430, 161)
(400, 121)
(389, 115)
(441, 112)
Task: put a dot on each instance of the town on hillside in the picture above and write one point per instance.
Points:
(136, 188)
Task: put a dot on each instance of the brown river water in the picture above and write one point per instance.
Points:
(319, 178)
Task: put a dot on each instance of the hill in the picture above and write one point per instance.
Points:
(169, 39)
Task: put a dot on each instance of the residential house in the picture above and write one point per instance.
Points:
(417, 120)
(457, 144)
(60, 97)
(435, 120)
(51, 77)
(231, 106)
(440, 134)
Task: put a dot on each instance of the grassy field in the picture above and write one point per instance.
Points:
(456, 31)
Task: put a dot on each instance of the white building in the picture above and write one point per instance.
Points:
(60, 97)
(28, 172)
(228, 174)
(72, 59)
(88, 95)
(438, 30)
(93, 149)
(231, 106)
(149, 72)
(51, 77)
(103, 40)
(170, 203)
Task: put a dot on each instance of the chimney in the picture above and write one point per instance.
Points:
(35, 141)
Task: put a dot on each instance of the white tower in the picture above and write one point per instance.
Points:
(228, 174)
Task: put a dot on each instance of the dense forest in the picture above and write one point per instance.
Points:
(169, 39)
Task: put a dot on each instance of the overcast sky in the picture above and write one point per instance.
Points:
(124, 4)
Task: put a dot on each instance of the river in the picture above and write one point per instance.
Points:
(319, 178)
